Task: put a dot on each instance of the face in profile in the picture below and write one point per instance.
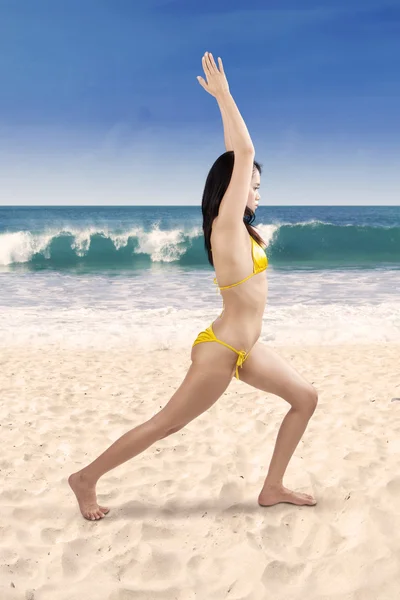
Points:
(254, 195)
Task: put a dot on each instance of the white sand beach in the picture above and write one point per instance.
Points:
(184, 522)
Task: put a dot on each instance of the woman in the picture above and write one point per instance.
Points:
(229, 201)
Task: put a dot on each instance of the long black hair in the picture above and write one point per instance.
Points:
(215, 187)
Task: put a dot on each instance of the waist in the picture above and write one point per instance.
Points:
(246, 302)
(242, 329)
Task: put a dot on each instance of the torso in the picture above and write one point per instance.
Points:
(244, 304)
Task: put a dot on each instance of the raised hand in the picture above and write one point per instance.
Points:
(216, 83)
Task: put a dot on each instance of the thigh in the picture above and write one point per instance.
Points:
(200, 389)
(265, 370)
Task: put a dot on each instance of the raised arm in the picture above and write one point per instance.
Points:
(234, 125)
(237, 137)
(227, 137)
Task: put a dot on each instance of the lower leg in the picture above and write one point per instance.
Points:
(292, 429)
(132, 443)
(290, 433)
(126, 447)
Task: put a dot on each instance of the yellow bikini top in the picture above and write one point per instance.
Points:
(260, 263)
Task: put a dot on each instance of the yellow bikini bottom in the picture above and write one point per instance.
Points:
(208, 335)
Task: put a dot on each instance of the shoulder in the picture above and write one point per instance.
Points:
(228, 237)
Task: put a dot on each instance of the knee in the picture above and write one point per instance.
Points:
(307, 401)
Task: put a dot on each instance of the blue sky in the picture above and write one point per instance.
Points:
(99, 102)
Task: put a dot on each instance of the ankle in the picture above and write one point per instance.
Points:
(86, 478)
(273, 484)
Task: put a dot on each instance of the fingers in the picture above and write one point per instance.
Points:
(202, 82)
(216, 80)
(206, 66)
(209, 62)
(212, 61)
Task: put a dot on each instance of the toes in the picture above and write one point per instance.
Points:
(104, 510)
(95, 515)
(310, 500)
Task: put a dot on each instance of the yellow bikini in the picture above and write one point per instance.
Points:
(260, 263)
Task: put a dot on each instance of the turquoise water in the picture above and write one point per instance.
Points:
(90, 276)
(86, 239)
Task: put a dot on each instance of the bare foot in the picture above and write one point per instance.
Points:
(274, 495)
(86, 495)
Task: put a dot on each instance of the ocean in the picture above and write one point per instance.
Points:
(103, 277)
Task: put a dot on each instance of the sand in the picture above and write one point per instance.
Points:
(184, 521)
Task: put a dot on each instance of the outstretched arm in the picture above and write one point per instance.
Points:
(237, 137)
(227, 137)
